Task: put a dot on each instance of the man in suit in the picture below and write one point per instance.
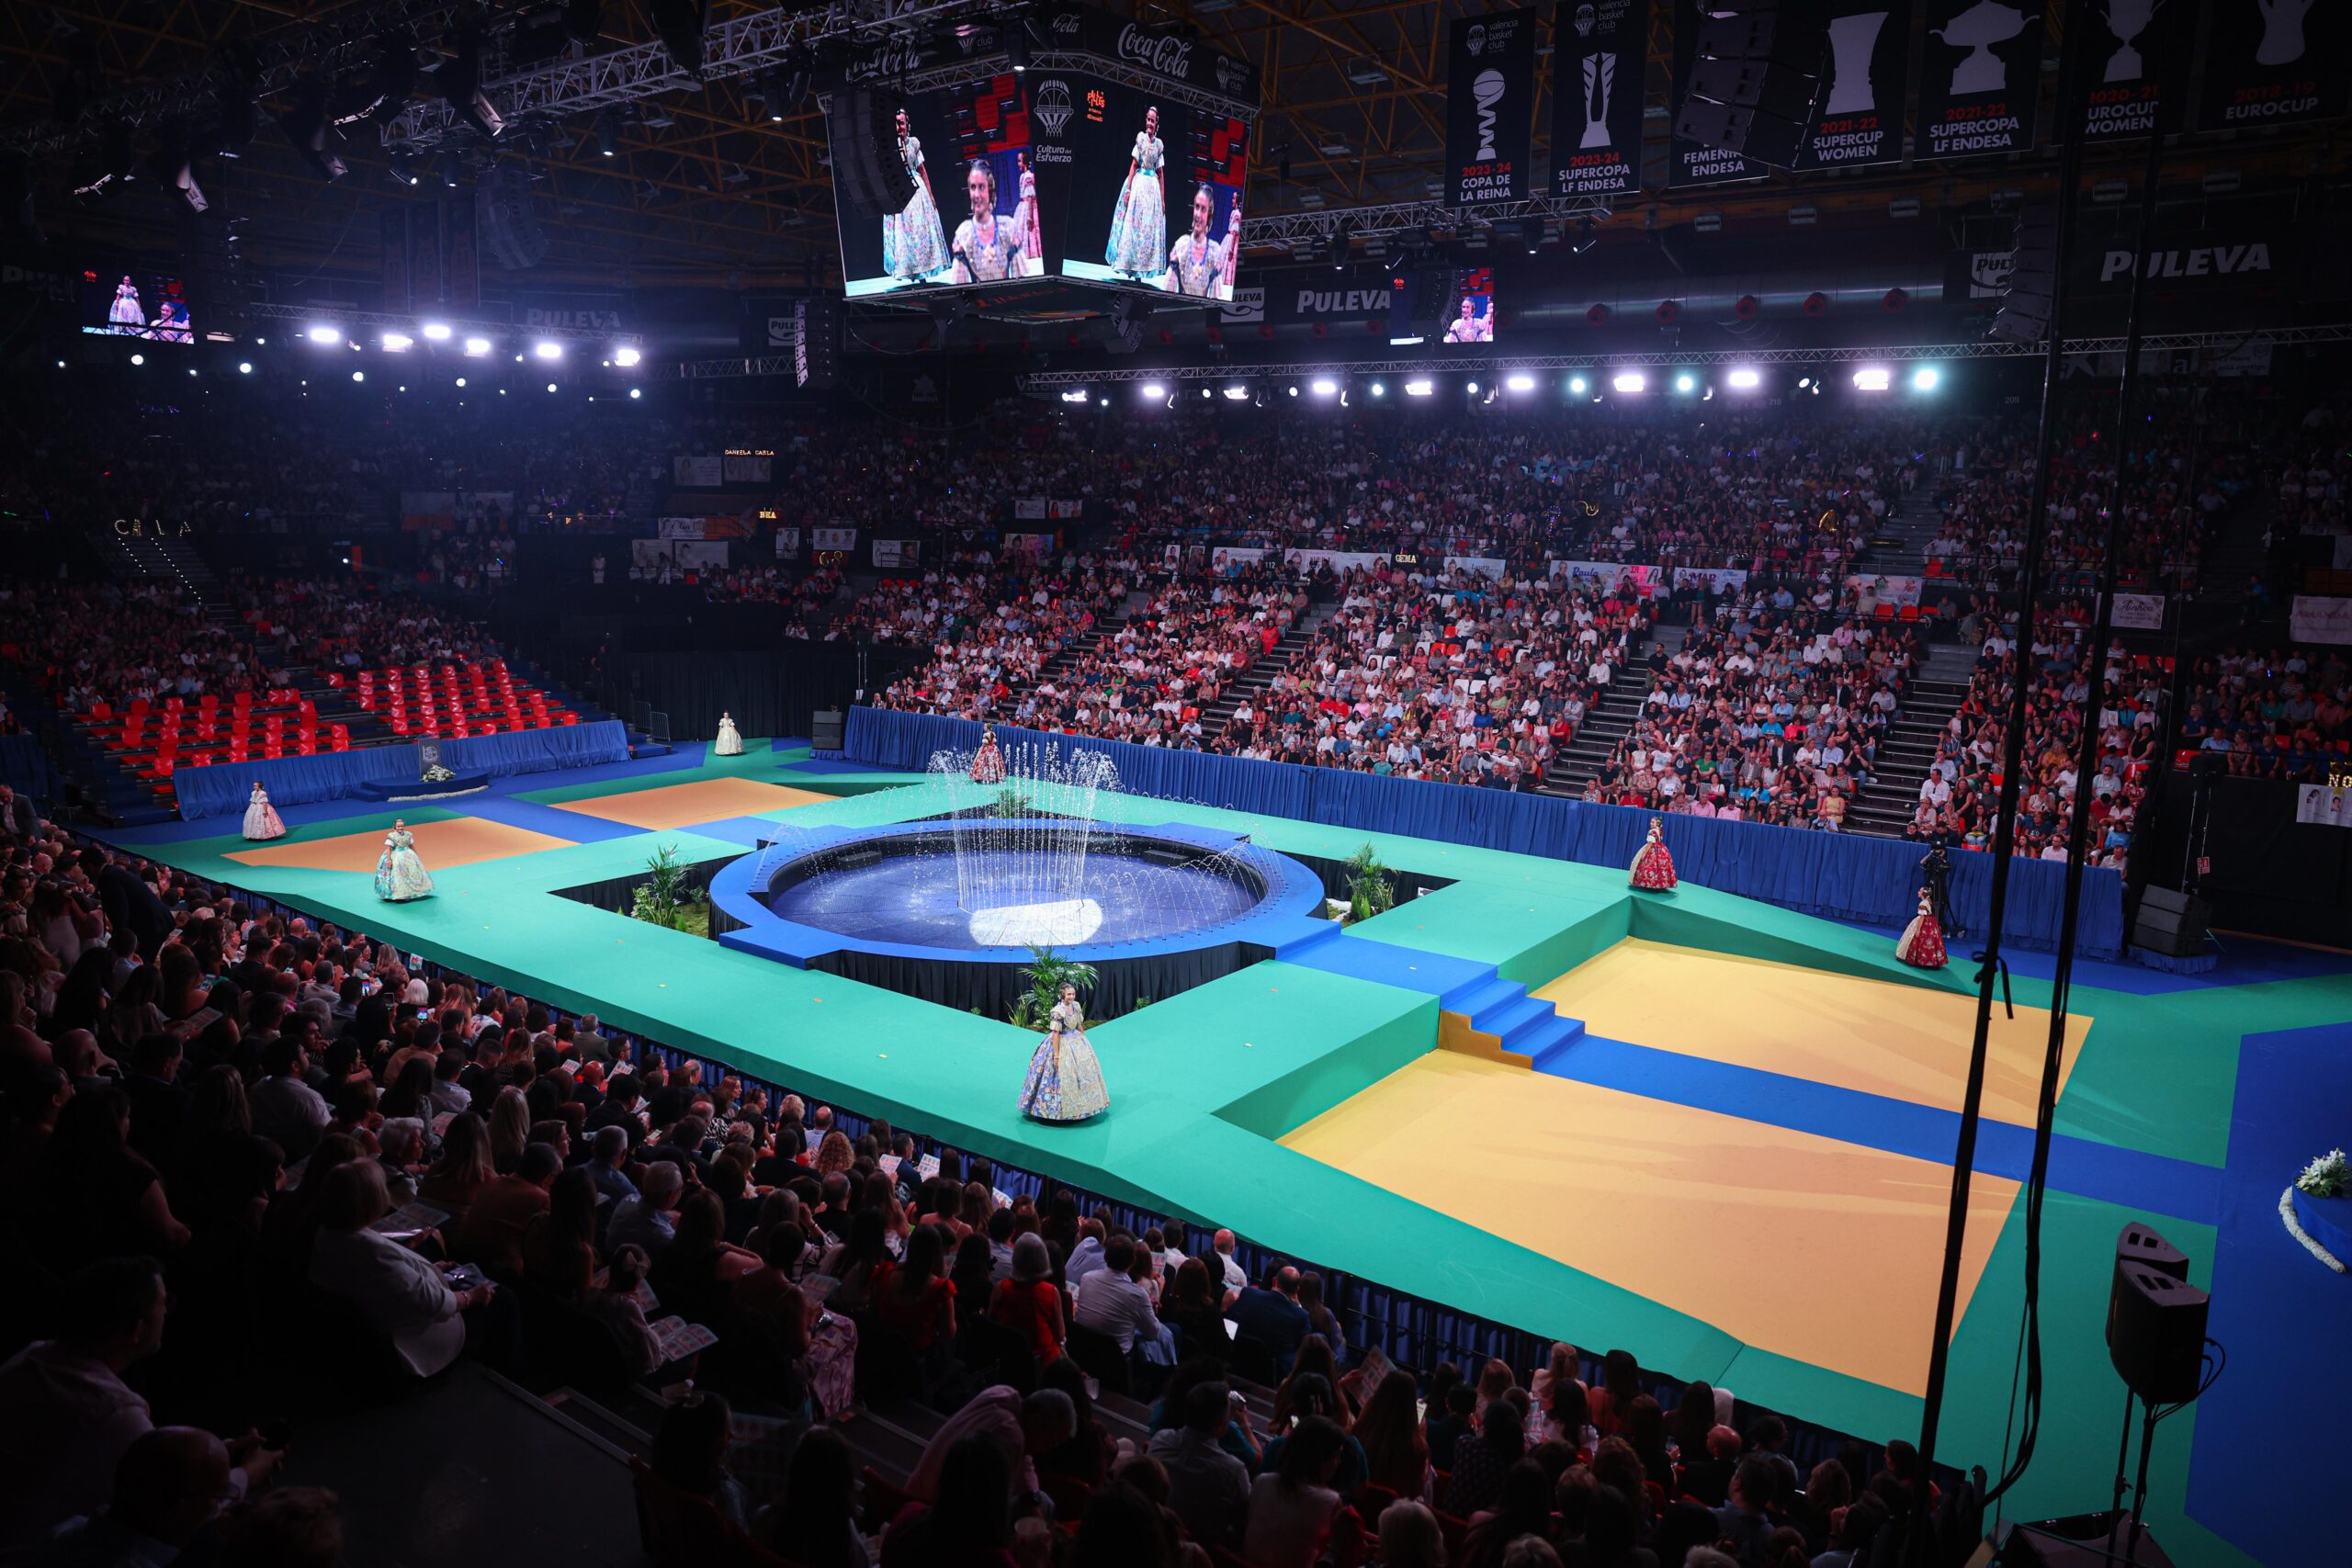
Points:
(1271, 1315)
(128, 903)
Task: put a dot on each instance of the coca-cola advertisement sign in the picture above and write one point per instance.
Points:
(1164, 52)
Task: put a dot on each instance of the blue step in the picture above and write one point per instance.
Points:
(1478, 995)
(1513, 1018)
(1547, 1043)
(1295, 939)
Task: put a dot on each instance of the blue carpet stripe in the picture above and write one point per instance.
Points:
(2140, 1180)
(1410, 969)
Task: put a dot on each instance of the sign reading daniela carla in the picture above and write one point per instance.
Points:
(1692, 162)
(1978, 77)
(1596, 98)
(2140, 53)
(2274, 62)
(1860, 116)
(1489, 108)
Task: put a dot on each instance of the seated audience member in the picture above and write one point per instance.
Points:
(1028, 1304)
(1396, 1455)
(649, 1218)
(1482, 1458)
(1271, 1315)
(401, 1293)
(1209, 1489)
(492, 1232)
(297, 1526)
(813, 1522)
(167, 1489)
(1294, 1506)
(690, 1452)
(1744, 1521)
(968, 1520)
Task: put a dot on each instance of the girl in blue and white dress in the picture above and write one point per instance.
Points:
(1139, 244)
(1024, 215)
(1201, 267)
(400, 875)
(914, 246)
(262, 820)
(988, 248)
(1064, 1080)
(127, 315)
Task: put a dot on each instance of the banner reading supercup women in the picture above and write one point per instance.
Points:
(1979, 77)
(2141, 51)
(2274, 62)
(1489, 108)
(1858, 117)
(1597, 63)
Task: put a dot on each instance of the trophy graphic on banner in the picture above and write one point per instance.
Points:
(1600, 76)
(2282, 31)
(1976, 29)
(1851, 41)
(2127, 19)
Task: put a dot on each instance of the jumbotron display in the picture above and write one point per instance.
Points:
(973, 216)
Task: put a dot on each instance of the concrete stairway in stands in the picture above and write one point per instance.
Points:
(1883, 809)
(1254, 680)
(145, 558)
(1605, 723)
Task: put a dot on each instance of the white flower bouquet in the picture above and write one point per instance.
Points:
(2326, 1177)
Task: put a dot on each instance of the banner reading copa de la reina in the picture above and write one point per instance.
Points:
(1489, 107)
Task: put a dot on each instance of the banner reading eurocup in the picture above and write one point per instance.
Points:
(1489, 108)
(1597, 62)
(1858, 117)
(1979, 78)
(2273, 62)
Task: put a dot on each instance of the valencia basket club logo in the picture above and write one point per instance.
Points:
(1051, 105)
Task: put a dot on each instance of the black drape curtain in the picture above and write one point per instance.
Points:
(992, 989)
(771, 691)
(2271, 876)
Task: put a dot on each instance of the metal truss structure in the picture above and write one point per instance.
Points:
(1319, 224)
(378, 321)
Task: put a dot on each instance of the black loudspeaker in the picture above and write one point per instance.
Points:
(2024, 316)
(862, 127)
(816, 343)
(510, 219)
(825, 729)
(2082, 1541)
(2171, 922)
(2155, 1319)
(1754, 80)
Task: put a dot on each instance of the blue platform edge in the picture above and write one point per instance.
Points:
(419, 789)
(223, 787)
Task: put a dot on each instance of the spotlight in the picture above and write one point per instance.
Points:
(450, 165)
(550, 386)
(1923, 378)
(1292, 389)
(1578, 385)
(548, 348)
(1471, 387)
(1154, 391)
(403, 169)
(1419, 387)
(1873, 378)
(608, 131)
(437, 331)
(1803, 382)
(1075, 395)
(191, 369)
(1519, 381)
(245, 366)
(1016, 44)
(1325, 386)
(1379, 390)
(1238, 393)
(1630, 381)
(1686, 382)
(138, 359)
(324, 334)
(1745, 380)
(477, 346)
(626, 356)
(398, 343)
(359, 375)
(637, 392)
(462, 380)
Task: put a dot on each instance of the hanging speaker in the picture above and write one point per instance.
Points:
(1755, 77)
(2155, 1319)
(510, 219)
(2024, 315)
(868, 171)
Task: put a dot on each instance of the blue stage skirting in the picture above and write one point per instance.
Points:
(417, 789)
(1837, 875)
(224, 787)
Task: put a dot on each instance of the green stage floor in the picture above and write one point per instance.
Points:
(1204, 1083)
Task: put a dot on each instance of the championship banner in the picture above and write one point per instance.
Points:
(1484, 566)
(1979, 78)
(1489, 107)
(2315, 619)
(2323, 807)
(1337, 560)
(1596, 98)
(1687, 163)
(703, 472)
(2273, 62)
(1713, 578)
(787, 543)
(1872, 588)
(1860, 118)
(833, 538)
(2142, 50)
(2140, 612)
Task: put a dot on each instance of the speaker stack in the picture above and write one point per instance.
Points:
(816, 343)
(862, 127)
(2083, 1541)
(1755, 79)
(2171, 922)
(825, 730)
(2024, 315)
(2156, 1318)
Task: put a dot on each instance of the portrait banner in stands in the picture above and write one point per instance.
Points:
(1029, 508)
(1489, 107)
(747, 467)
(1689, 163)
(679, 527)
(1713, 578)
(1597, 62)
(2274, 62)
(2140, 612)
(787, 543)
(2316, 619)
(833, 538)
(1859, 119)
(1979, 79)
(1484, 566)
(1337, 560)
(1605, 575)
(2323, 807)
(707, 471)
(2141, 53)
(892, 555)
(1225, 556)
(1872, 588)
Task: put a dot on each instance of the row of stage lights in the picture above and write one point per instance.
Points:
(1629, 382)
(472, 344)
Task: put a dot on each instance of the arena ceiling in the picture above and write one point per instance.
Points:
(710, 187)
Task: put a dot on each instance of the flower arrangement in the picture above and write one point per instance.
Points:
(2326, 1177)
(436, 774)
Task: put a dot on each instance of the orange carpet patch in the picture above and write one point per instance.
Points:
(683, 804)
(443, 845)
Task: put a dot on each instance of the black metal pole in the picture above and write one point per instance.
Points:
(2070, 158)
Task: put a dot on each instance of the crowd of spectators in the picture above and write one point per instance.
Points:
(992, 626)
(2279, 713)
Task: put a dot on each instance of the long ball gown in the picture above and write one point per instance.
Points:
(1654, 863)
(1139, 226)
(988, 762)
(400, 875)
(913, 244)
(262, 820)
(1064, 1080)
(1922, 942)
(730, 739)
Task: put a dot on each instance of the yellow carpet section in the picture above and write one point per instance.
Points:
(683, 804)
(1820, 1250)
(451, 842)
(1873, 1035)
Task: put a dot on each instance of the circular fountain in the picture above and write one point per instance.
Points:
(1018, 857)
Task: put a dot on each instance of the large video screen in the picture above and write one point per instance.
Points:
(1470, 307)
(974, 217)
(145, 305)
(1154, 194)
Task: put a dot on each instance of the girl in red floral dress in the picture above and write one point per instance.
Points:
(1922, 942)
(1653, 863)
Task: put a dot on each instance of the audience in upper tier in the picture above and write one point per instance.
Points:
(2279, 714)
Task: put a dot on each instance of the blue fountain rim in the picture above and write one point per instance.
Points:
(1292, 893)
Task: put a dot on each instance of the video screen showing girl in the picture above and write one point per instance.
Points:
(1472, 318)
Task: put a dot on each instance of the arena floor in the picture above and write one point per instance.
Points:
(1739, 1171)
